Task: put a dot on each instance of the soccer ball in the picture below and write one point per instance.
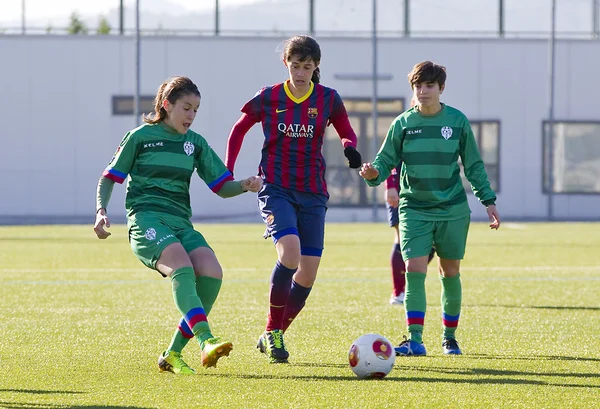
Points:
(371, 356)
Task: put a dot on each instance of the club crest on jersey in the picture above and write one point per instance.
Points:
(270, 219)
(313, 113)
(188, 148)
(150, 234)
(447, 132)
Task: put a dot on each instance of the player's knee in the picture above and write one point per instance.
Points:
(448, 268)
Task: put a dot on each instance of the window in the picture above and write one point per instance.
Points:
(571, 164)
(346, 187)
(123, 104)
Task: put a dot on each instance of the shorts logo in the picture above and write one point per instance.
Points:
(188, 148)
(313, 113)
(270, 219)
(150, 234)
(446, 132)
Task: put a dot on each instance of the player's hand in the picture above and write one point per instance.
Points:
(101, 222)
(367, 171)
(354, 158)
(391, 197)
(252, 184)
(494, 217)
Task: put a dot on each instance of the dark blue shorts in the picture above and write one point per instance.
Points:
(287, 211)
(392, 213)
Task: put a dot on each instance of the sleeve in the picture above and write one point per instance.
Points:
(104, 192)
(390, 153)
(122, 162)
(236, 137)
(255, 107)
(341, 123)
(474, 167)
(211, 168)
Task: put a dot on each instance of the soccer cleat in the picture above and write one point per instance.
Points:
(397, 299)
(172, 362)
(410, 348)
(271, 344)
(451, 347)
(213, 349)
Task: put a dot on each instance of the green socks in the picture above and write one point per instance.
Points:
(207, 289)
(415, 304)
(187, 301)
(451, 302)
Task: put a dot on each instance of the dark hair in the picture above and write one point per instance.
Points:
(427, 71)
(304, 47)
(171, 90)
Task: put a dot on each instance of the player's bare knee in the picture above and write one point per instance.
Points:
(448, 268)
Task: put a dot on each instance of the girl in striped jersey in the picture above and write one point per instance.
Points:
(429, 139)
(293, 200)
(160, 157)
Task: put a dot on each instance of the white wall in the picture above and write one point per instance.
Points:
(58, 131)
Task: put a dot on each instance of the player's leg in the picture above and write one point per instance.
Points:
(311, 228)
(451, 239)
(396, 261)
(156, 245)
(209, 276)
(416, 241)
(280, 217)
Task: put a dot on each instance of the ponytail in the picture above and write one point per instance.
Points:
(316, 77)
(159, 111)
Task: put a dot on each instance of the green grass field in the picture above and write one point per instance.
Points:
(83, 323)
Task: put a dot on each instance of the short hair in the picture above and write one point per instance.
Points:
(427, 71)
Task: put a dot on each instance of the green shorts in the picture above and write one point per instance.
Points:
(448, 236)
(150, 233)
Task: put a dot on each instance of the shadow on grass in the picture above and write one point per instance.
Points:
(389, 378)
(498, 372)
(39, 391)
(31, 405)
(534, 358)
(20, 405)
(539, 307)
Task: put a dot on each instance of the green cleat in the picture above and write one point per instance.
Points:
(172, 362)
(213, 349)
(271, 344)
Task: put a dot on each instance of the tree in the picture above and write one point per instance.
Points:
(76, 26)
(103, 26)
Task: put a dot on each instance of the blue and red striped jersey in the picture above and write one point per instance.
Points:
(294, 129)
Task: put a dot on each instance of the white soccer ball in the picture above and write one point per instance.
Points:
(371, 356)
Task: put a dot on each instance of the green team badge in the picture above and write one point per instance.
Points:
(188, 148)
(446, 132)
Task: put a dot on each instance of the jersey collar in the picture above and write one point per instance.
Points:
(303, 97)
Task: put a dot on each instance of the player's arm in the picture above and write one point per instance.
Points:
(252, 112)
(474, 167)
(341, 123)
(236, 138)
(116, 172)
(387, 158)
(219, 179)
(391, 188)
(477, 176)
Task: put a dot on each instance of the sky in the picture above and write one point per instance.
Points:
(48, 9)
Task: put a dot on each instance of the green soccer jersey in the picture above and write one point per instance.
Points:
(429, 148)
(160, 163)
